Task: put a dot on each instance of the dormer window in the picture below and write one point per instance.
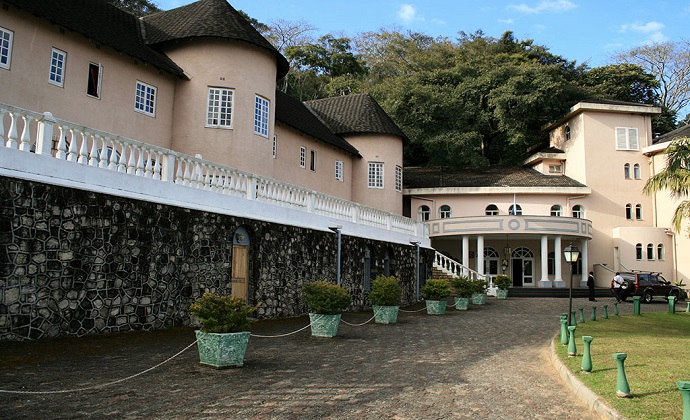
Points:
(555, 169)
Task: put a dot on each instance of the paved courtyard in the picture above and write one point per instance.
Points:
(488, 362)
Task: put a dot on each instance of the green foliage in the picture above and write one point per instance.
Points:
(221, 314)
(503, 282)
(385, 291)
(327, 298)
(463, 287)
(478, 286)
(136, 7)
(436, 289)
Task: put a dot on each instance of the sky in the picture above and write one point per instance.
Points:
(587, 31)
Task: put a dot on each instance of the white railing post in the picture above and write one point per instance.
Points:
(251, 188)
(12, 134)
(44, 134)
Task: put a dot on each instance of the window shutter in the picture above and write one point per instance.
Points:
(633, 139)
(621, 141)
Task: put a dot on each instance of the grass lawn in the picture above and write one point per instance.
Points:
(658, 349)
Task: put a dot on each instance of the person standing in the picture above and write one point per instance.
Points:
(590, 285)
(617, 286)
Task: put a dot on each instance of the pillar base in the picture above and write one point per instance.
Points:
(583, 283)
(545, 283)
(559, 284)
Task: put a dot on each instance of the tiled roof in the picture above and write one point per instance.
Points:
(492, 176)
(683, 131)
(355, 114)
(294, 113)
(101, 22)
(207, 18)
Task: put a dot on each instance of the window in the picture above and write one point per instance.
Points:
(628, 211)
(5, 47)
(515, 210)
(444, 212)
(219, 107)
(567, 132)
(423, 213)
(302, 157)
(375, 175)
(275, 147)
(626, 170)
(626, 138)
(145, 99)
(660, 252)
(491, 210)
(555, 210)
(312, 160)
(555, 169)
(638, 211)
(636, 171)
(57, 67)
(650, 252)
(490, 261)
(339, 170)
(638, 251)
(93, 86)
(578, 212)
(398, 178)
(261, 117)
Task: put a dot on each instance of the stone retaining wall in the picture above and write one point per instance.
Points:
(75, 263)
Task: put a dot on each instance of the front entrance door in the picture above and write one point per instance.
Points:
(522, 267)
(516, 271)
(240, 270)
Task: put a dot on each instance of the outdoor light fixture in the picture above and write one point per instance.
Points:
(337, 230)
(416, 271)
(504, 265)
(571, 254)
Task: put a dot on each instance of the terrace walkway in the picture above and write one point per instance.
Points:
(488, 362)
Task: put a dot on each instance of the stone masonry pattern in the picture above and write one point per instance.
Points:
(74, 262)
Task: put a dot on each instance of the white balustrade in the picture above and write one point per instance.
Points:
(455, 269)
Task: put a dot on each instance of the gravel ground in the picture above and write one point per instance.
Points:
(488, 362)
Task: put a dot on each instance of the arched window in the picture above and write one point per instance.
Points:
(638, 211)
(517, 211)
(636, 171)
(423, 213)
(626, 170)
(660, 252)
(567, 132)
(628, 211)
(444, 212)
(556, 210)
(491, 260)
(638, 251)
(491, 210)
(650, 252)
(578, 212)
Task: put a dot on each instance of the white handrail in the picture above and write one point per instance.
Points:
(455, 269)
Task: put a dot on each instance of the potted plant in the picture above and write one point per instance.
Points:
(385, 298)
(463, 292)
(435, 292)
(478, 292)
(326, 302)
(223, 337)
(503, 282)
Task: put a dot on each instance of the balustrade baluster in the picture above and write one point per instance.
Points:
(157, 166)
(72, 148)
(12, 134)
(106, 154)
(132, 162)
(148, 166)
(94, 158)
(25, 144)
(139, 162)
(3, 138)
(83, 157)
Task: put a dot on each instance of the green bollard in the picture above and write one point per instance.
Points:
(572, 348)
(573, 318)
(564, 330)
(615, 308)
(684, 387)
(582, 315)
(687, 309)
(594, 313)
(636, 305)
(586, 364)
(672, 304)
(606, 311)
(622, 387)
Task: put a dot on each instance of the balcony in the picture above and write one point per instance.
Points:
(511, 225)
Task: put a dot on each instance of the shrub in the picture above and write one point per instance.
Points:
(323, 297)
(503, 282)
(478, 286)
(222, 314)
(462, 286)
(436, 289)
(385, 291)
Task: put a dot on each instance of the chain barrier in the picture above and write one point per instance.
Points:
(281, 335)
(411, 312)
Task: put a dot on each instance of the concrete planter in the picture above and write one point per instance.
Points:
(222, 350)
(502, 293)
(478, 298)
(435, 307)
(323, 325)
(386, 314)
(461, 303)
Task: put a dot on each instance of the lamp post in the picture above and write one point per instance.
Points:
(571, 254)
(416, 271)
(337, 230)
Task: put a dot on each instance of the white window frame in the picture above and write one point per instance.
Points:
(638, 211)
(491, 210)
(398, 178)
(312, 160)
(98, 82)
(220, 107)
(445, 212)
(261, 115)
(636, 171)
(145, 97)
(302, 157)
(339, 170)
(578, 211)
(375, 175)
(556, 210)
(56, 70)
(627, 138)
(555, 169)
(423, 213)
(6, 38)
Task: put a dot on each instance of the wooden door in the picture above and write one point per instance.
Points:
(240, 270)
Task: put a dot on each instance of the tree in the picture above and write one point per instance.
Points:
(675, 177)
(136, 7)
(622, 82)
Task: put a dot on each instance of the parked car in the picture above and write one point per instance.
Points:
(649, 285)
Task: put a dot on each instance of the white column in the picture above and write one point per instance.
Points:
(558, 257)
(585, 263)
(465, 253)
(480, 254)
(545, 282)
